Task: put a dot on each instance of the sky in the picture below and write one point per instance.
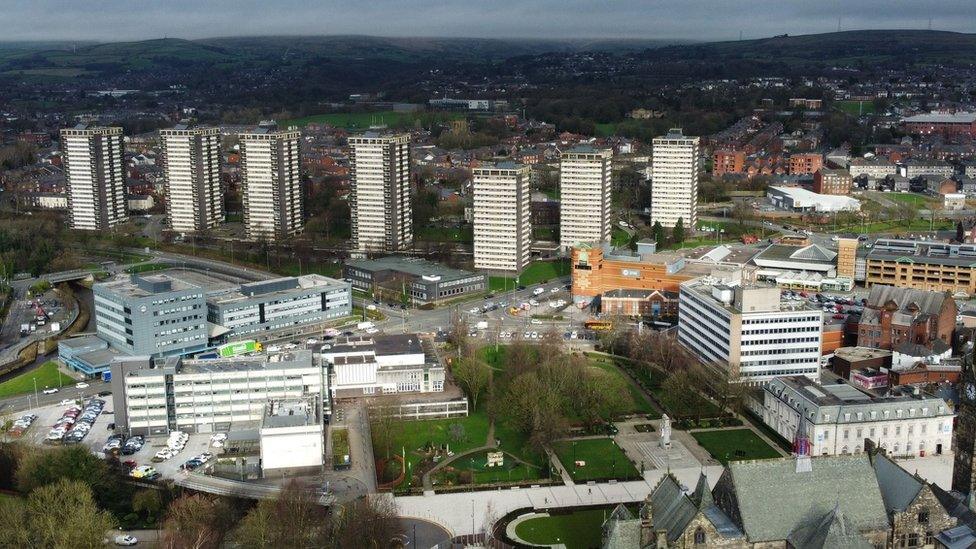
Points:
(122, 20)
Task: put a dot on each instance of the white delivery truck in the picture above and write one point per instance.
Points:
(365, 325)
(483, 325)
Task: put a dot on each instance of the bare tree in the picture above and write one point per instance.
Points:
(474, 375)
(369, 522)
(458, 334)
(292, 519)
(61, 514)
(384, 424)
(195, 522)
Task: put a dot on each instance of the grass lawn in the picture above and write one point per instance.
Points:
(576, 530)
(699, 407)
(855, 108)
(911, 198)
(147, 267)
(544, 233)
(46, 376)
(444, 234)
(603, 458)
(477, 463)
(536, 272)
(634, 402)
(735, 445)
(619, 237)
(363, 120)
(917, 224)
(413, 436)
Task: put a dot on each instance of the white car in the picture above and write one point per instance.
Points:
(66, 402)
(535, 335)
(126, 540)
(554, 290)
(81, 385)
(372, 330)
(50, 391)
(535, 321)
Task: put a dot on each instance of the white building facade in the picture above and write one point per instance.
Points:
(382, 217)
(95, 170)
(750, 330)
(584, 209)
(838, 417)
(155, 397)
(502, 223)
(191, 160)
(387, 364)
(271, 170)
(675, 169)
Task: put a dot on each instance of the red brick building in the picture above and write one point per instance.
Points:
(725, 161)
(805, 163)
(827, 181)
(944, 123)
(893, 316)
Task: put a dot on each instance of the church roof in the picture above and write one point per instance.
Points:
(814, 252)
(833, 531)
(898, 488)
(621, 530)
(774, 499)
(702, 496)
(671, 509)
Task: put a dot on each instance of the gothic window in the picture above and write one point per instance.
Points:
(699, 536)
(923, 517)
(912, 539)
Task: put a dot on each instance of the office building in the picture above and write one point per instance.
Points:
(191, 160)
(749, 329)
(423, 282)
(256, 308)
(584, 185)
(155, 396)
(832, 182)
(675, 167)
(381, 364)
(153, 314)
(271, 187)
(382, 218)
(933, 266)
(502, 229)
(837, 417)
(95, 171)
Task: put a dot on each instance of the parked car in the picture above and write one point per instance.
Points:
(81, 385)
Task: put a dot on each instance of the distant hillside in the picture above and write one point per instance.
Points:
(53, 58)
(918, 46)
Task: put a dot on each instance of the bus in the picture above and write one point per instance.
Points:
(239, 348)
(598, 325)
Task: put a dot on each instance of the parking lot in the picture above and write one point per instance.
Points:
(47, 416)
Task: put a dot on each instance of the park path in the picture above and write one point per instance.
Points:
(488, 445)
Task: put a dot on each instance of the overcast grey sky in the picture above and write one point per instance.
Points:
(112, 20)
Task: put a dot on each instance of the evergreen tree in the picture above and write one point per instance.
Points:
(659, 235)
(960, 233)
(678, 232)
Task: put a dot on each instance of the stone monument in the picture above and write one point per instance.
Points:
(665, 432)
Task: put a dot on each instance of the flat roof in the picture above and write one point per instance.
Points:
(298, 358)
(289, 413)
(860, 353)
(101, 357)
(269, 289)
(83, 341)
(961, 117)
(413, 266)
(138, 286)
(382, 345)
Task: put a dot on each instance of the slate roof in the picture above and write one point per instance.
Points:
(621, 530)
(928, 303)
(774, 500)
(671, 509)
(898, 488)
(834, 530)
